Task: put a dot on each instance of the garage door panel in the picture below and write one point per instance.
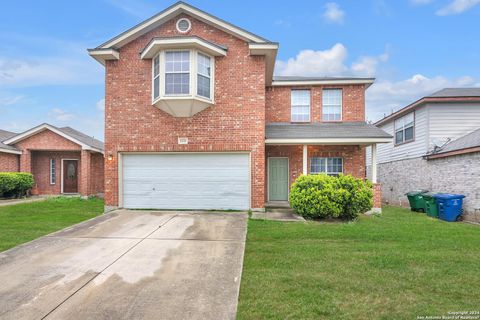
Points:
(186, 181)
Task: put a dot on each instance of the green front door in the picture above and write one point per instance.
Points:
(277, 179)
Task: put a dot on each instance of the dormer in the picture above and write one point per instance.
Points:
(183, 71)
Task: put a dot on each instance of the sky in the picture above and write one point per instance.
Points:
(412, 48)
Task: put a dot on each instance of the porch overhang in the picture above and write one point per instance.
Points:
(331, 133)
(328, 141)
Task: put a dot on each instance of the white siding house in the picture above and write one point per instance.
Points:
(439, 120)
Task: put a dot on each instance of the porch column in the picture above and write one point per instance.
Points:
(374, 163)
(305, 159)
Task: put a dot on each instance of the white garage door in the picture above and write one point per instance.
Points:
(186, 181)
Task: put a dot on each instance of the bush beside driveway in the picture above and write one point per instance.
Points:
(397, 265)
(24, 222)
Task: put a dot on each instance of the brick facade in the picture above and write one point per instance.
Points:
(278, 104)
(235, 123)
(38, 149)
(9, 162)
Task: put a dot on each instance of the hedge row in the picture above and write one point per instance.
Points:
(15, 184)
(322, 196)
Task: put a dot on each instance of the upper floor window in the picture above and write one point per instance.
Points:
(300, 105)
(182, 73)
(330, 166)
(332, 105)
(404, 128)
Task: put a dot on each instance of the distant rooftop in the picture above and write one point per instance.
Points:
(456, 92)
(444, 95)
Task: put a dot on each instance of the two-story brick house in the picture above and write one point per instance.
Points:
(195, 118)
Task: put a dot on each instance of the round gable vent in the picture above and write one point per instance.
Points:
(183, 25)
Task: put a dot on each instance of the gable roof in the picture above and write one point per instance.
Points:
(444, 95)
(171, 12)
(86, 142)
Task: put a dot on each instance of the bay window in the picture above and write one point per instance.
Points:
(182, 74)
(183, 71)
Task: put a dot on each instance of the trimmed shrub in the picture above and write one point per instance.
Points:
(15, 184)
(322, 196)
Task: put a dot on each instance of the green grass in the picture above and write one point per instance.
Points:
(24, 222)
(398, 265)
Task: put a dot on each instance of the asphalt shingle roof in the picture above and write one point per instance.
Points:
(470, 140)
(456, 92)
(91, 141)
(295, 78)
(324, 130)
(4, 135)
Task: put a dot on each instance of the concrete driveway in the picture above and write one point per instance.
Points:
(128, 265)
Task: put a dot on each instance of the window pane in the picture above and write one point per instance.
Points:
(300, 105)
(156, 87)
(177, 61)
(203, 65)
(409, 134)
(156, 66)
(399, 136)
(332, 105)
(317, 165)
(334, 166)
(203, 86)
(177, 83)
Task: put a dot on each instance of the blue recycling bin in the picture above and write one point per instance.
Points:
(449, 206)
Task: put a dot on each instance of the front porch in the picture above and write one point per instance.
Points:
(295, 149)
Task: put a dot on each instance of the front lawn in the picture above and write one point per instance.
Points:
(24, 222)
(399, 265)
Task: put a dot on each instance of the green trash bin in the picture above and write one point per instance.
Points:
(430, 204)
(417, 203)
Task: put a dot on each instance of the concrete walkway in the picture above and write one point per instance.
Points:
(129, 265)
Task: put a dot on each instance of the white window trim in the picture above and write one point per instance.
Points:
(403, 128)
(309, 105)
(329, 105)
(53, 172)
(189, 25)
(326, 165)
(193, 77)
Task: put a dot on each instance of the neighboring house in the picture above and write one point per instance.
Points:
(196, 120)
(62, 160)
(436, 147)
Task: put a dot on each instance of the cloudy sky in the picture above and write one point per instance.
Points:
(412, 47)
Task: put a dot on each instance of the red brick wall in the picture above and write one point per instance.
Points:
(9, 162)
(377, 195)
(47, 140)
(235, 123)
(353, 158)
(97, 173)
(278, 105)
(41, 169)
